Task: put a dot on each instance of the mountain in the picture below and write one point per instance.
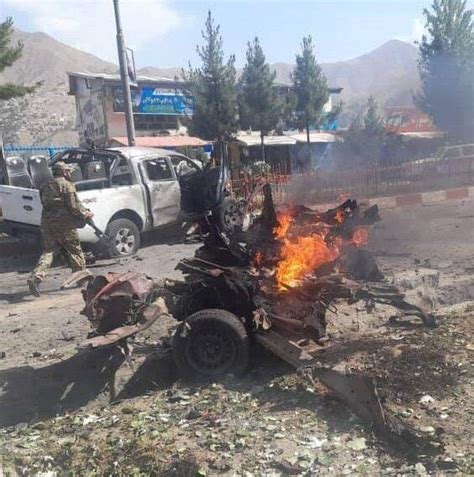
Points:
(46, 59)
(160, 72)
(389, 73)
(48, 116)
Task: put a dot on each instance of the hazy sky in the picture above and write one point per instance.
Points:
(165, 32)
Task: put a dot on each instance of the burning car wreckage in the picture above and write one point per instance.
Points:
(272, 285)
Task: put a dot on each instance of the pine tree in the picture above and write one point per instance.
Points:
(373, 123)
(213, 86)
(366, 135)
(310, 87)
(8, 56)
(374, 133)
(259, 105)
(447, 68)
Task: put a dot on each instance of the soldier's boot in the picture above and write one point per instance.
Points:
(33, 285)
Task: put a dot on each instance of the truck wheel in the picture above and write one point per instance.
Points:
(210, 343)
(230, 215)
(124, 238)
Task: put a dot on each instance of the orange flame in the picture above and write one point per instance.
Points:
(258, 259)
(340, 216)
(360, 237)
(302, 256)
(284, 222)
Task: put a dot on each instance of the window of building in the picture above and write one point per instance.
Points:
(154, 122)
(158, 170)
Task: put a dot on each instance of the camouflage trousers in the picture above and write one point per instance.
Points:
(59, 242)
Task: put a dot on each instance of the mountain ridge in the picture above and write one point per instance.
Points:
(389, 73)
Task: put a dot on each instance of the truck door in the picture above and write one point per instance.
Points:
(162, 188)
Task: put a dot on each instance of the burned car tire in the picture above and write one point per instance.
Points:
(210, 343)
(230, 215)
(124, 238)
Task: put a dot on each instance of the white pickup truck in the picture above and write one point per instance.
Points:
(130, 190)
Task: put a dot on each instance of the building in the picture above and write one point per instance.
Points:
(161, 107)
(284, 154)
(408, 119)
(417, 135)
(287, 153)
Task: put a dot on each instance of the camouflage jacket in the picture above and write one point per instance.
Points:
(61, 205)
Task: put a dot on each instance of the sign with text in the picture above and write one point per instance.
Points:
(149, 100)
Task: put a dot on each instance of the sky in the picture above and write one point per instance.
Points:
(165, 33)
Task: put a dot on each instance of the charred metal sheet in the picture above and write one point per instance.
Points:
(286, 350)
(150, 315)
(115, 300)
(359, 393)
(131, 284)
(77, 279)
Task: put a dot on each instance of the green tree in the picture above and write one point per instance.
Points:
(8, 56)
(259, 105)
(366, 135)
(213, 86)
(446, 68)
(374, 133)
(373, 122)
(310, 87)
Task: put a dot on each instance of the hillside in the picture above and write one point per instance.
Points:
(389, 73)
(47, 117)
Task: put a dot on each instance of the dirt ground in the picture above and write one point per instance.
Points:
(56, 418)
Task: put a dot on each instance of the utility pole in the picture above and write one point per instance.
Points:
(124, 76)
(4, 179)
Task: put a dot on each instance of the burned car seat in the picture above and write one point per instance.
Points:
(18, 173)
(39, 170)
(95, 170)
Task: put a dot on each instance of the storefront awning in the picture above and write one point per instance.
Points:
(161, 141)
(317, 137)
(254, 140)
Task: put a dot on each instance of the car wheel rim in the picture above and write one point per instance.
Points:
(211, 351)
(124, 241)
(233, 216)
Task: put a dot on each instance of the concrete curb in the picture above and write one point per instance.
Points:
(410, 200)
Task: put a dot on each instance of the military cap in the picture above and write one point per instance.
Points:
(61, 166)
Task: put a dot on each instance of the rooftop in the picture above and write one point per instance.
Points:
(253, 138)
(115, 77)
(161, 141)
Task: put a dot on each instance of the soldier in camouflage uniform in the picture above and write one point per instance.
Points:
(62, 213)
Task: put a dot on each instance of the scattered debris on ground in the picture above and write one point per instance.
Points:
(267, 422)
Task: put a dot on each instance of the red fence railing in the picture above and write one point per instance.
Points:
(326, 186)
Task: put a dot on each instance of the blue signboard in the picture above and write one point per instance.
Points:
(152, 101)
(149, 100)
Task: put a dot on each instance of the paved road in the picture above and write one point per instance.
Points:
(29, 326)
(437, 237)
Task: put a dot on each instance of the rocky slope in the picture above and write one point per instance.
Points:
(48, 116)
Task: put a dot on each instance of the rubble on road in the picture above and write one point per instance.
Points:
(270, 421)
(280, 284)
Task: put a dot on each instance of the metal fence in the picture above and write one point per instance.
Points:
(440, 173)
(28, 151)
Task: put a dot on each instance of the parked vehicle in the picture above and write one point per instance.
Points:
(130, 190)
